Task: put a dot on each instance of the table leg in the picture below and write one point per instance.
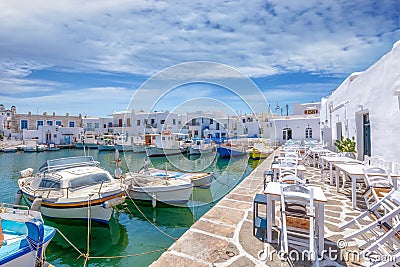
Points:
(331, 173)
(313, 156)
(353, 191)
(269, 219)
(337, 179)
(321, 225)
(322, 170)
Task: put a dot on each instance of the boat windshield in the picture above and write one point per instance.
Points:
(49, 183)
(90, 179)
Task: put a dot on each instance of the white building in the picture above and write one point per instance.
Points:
(304, 124)
(54, 134)
(366, 106)
(96, 125)
(133, 123)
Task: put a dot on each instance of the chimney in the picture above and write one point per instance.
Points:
(29, 113)
(67, 114)
(54, 114)
(44, 113)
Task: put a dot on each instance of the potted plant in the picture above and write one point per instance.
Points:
(347, 145)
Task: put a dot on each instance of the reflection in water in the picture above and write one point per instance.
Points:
(109, 239)
(129, 232)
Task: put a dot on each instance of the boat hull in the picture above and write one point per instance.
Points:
(160, 152)
(198, 151)
(124, 148)
(256, 154)
(168, 195)
(106, 147)
(26, 240)
(230, 152)
(77, 211)
(139, 148)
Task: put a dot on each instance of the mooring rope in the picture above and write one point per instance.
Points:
(87, 255)
(147, 219)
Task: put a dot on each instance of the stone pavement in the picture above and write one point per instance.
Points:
(224, 235)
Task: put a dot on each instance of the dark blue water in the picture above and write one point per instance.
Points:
(130, 231)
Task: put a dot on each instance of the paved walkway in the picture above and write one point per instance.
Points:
(224, 237)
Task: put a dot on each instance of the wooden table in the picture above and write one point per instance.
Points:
(275, 168)
(331, 160)
(273, 192)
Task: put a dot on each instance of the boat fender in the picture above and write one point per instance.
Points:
(1, 233)
(36, 204)
(26, 173)
(118, 173)
(113, 202)
(154, 200)
(18, 197)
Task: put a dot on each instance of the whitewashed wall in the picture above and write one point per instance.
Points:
(374, 91)
(298, 126)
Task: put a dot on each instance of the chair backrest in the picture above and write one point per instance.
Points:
(299, 194)
(377, 177)
(288, 162)
(284, 171)
(291, 154)
(291, 179)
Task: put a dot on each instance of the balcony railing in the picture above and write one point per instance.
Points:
(151, 125)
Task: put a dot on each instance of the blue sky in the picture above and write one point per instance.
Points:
(90, 57)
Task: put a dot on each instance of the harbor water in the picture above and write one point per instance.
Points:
(137, 230)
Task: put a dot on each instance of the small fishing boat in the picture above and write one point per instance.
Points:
(198, 179)
(30, 147)
(122, 144)
(69, 187)
(260, 151)
(51, 147)
(88, 141)
(107, 143)
(158, 189)
(23, 236)
(201, 147)
(40, 148)
(230, 151)
(9, 149)
(166, 145)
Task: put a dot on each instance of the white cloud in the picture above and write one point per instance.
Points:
(104, 100)
(259, 37)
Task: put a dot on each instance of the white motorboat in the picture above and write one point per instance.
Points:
(122, 144)
(88, 141)
(30, 147)
(166, 144)
(158, 189)
(107, 143)
(200, 147)
(70, 186)
(198, 179)
(23, 236)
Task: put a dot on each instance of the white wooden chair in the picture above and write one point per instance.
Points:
(380, 236)
(298, 219)
(379, 184)
(288, 162)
